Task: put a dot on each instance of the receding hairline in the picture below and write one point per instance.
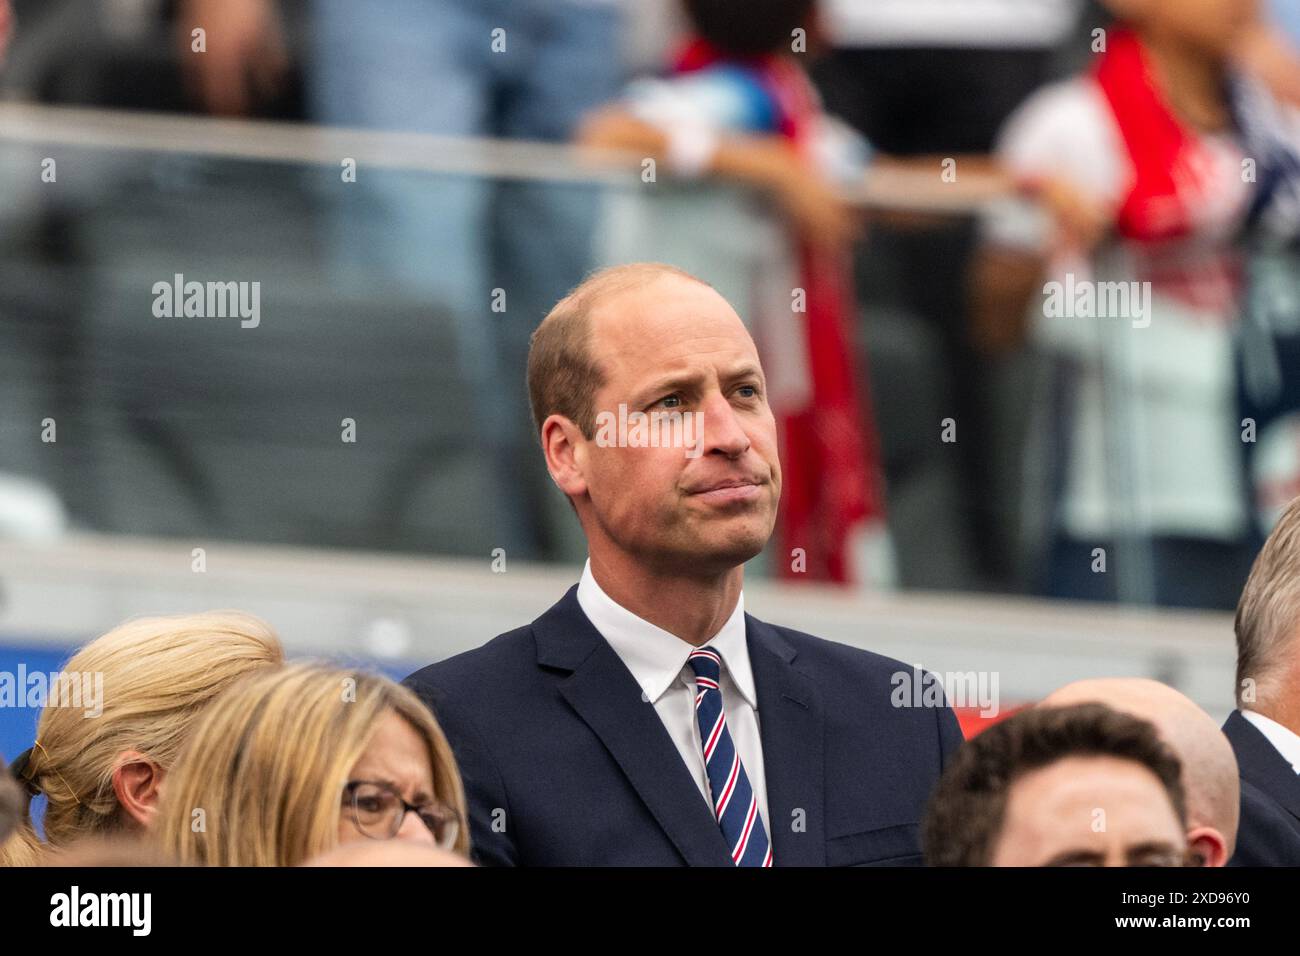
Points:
(562, 370)
(607, 285)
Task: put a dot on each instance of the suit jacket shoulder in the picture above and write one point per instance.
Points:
(889, 686)
(499, 670)
(1269, 831)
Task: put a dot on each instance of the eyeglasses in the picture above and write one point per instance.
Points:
(379, 811)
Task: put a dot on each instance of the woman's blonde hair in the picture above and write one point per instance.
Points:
(158, 673)
(261, 780)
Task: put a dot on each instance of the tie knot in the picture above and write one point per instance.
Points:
(707, 663)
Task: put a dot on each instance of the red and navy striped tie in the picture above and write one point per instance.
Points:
(734, 804)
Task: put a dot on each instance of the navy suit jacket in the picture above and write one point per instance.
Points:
(566, 763)
(1269, 832)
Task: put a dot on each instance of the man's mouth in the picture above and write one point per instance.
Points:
(729, 491)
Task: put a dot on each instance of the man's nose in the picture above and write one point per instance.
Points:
(721, 428)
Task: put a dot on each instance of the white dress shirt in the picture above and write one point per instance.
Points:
(1284, 740)
(657, 660)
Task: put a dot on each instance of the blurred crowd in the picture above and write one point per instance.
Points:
(1146, 143)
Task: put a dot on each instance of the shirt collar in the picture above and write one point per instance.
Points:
(656, 657)
(1284, 740)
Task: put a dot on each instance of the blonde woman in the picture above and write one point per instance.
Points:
(291, 764)
(124, 705)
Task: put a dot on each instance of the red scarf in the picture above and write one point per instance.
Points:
(831, 480)
(1161, 149)
(1171, 178)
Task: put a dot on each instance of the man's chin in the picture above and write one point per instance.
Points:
(732, 546)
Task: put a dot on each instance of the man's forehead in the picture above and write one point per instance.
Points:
(668, 324)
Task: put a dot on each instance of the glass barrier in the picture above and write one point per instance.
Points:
(266, 349)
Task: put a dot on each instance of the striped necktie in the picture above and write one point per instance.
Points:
(734, 804)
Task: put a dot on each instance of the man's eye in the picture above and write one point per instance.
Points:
(671, 401)
(748, 391)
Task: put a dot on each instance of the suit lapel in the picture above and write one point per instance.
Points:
(1265, 768)
(791, 727)
(607, 697)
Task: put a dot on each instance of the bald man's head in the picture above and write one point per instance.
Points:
(652, 409)
(1209, 767)
(564, 369)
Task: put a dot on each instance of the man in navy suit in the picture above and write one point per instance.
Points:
(1270, 798)
(1265, 729)
(646, 719)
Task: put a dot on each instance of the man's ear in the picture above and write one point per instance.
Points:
(137, 784)
(566, 455)
(1207, 847)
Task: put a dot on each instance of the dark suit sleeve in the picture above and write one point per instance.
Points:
(1264, 836)
(485, 792)
(950, 735)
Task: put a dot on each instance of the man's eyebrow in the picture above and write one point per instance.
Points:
(1069, 857)
(1151, 846)
(674, 382)
(748, 370)
(688, 381)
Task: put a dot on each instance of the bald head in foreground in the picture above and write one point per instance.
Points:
(1083, 785)
(596, 734)
(1209, 770)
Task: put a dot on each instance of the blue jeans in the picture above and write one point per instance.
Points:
(429, 66)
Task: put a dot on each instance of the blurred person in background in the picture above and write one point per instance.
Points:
(516, 69)
(1137, 165)
(294, 762)
(1209, 768)
(1265, 728)
(102, 773)
(938, 78)
(247, 53)
(926, 76)
(1268, 113)
(142, 54)
(448, 242)
(1060, 786)
(524, 69)
(737, 104)
(1271, 49)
